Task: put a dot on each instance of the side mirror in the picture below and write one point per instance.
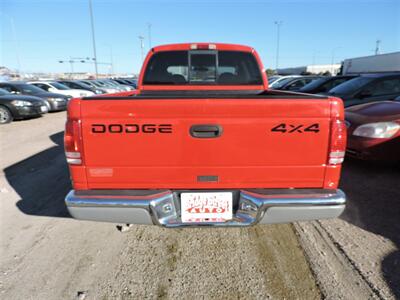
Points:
(52, 90)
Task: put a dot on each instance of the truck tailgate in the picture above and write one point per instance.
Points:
(148, 143)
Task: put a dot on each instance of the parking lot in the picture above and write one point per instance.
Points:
(48, 255)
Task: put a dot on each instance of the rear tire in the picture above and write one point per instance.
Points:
(5, 115)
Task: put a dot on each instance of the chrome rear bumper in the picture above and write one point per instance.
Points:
(266, 206)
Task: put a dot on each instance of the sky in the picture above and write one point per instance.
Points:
(36, 34)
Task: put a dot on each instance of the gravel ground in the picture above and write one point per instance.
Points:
(47, 255)
(360, 255)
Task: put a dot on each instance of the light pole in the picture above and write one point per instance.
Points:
(99, 62)
(71, 62)
(315, 52)
(378, 43)
(314, 58)
(84, 60)
(149, 33)
(93, 37)
(141, 38)
(278, 25)
(111, 58)
(14, 33)
(333, 57)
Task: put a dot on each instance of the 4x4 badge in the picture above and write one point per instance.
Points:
(296, 128)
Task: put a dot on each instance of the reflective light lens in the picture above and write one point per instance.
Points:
(73, 158)
(203, 46)
(56, 99)
(379, 130)
(74, 161)
(73, 154)
(73, 142)
(20, 103)
(336, 157)
(338, 142)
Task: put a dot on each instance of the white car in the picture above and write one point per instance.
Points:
(95, 84)
(281, 80)
(55, 87)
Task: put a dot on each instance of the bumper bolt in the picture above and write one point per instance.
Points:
(167, 208)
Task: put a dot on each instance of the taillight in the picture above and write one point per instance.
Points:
(73, 142)
(337, 148)
(203, 47)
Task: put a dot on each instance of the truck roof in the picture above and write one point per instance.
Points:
(203, 45)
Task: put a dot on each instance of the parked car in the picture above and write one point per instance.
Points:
(280, 78)
(55, 102)
(293, 83)
(272, 79)
(368, 88)
(55, 87)
(15, 107)
(124, 82)
(324, 84)
(112, 83)
(374, 131)
(213, 152)
(97, 85)
(76, 84)
(132, 81)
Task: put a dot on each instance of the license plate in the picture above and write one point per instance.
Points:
(206, 207)
(44, 108)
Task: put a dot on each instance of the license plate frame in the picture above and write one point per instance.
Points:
(206, 207)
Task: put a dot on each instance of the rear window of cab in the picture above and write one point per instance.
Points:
(205, 67)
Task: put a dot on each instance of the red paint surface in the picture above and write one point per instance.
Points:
(246, 155)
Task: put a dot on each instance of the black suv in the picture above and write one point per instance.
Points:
(324, 84)
(368, 88)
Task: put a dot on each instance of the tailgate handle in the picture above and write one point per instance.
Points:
(205, 131)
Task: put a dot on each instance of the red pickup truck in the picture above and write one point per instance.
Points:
(203, 141)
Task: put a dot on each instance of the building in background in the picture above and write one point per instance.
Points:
(381, 63)
(311, 69)
(8, 74)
